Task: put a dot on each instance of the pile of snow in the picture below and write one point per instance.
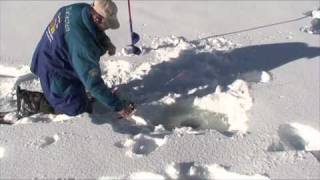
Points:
(300, 137)
(141, 70)
(169, 47)
(232, 105)
(117, 72)
(315, 23)
(223, 111)
(316, 14)
(265, 77)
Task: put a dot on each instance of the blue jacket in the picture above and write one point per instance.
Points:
(70, 48)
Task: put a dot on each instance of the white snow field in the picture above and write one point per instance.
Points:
(224, 90)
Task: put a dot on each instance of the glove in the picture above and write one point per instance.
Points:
(107, 44)
(125, 108)
(111, 49)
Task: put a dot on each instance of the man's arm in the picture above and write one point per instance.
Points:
(86, 65)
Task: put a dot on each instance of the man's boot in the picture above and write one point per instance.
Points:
(29, 103)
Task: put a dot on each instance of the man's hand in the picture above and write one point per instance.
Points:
(127, 109)
(111, 49)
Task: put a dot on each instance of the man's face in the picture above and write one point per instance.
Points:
(97, 19)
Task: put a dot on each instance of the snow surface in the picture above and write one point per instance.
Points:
(224, 90)
(1, 152)
(190, 171)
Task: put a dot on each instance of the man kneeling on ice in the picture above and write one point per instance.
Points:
(67, 62)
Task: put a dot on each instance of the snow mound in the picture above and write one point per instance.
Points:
(1, 152)
(223, 111)
(300, 137)
(141, 70)
(117, 72)
(232, 104)
(142, 144)
(170, 47)
(316, 14)
(265, 77)
(315, 23)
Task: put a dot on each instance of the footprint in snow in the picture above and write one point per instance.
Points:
(299, 137)
(142, 144)
(46, 141)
